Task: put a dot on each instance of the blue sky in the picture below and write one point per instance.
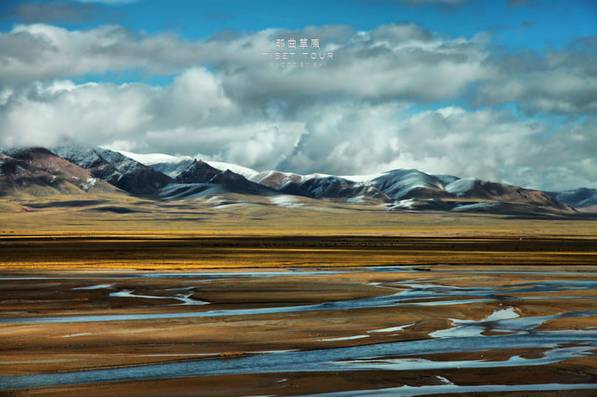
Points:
(502, 90)
(532, 24)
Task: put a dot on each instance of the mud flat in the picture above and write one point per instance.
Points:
(385, 330)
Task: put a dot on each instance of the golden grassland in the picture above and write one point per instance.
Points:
(91, 215)
(59, 237)
(121, 232)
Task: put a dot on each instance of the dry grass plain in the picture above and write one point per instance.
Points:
(129, 233)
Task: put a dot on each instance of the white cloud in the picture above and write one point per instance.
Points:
(194, 115)
(562, 81)
(347, 138)
(392, 61)
(40, 51)
(189, 116)
(358, 115)
(487, 144)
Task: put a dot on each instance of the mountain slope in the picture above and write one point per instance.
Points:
(37, 171)
(75, 169)
(579, 198)
(478, 189)
(277, 179)
(116, 169)
(396, 186)
(197, 172)
(332, 187)
(201, 180)
(173, 169)
(169, 164)
(409, 183)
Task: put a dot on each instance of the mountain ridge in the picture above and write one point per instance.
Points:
(167, 177)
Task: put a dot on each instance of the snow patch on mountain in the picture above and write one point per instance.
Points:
(289, 201)
(173, 165)
(150, 159)
(403, 183)
(364, 178)
(246, 172)
(462, 186)
(173, 170)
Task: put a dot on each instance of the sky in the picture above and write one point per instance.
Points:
(498, 90)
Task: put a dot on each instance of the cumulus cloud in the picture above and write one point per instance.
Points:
(347, 138)
(563, 161)
(42, 52)
(188, 116)
(498, 146)
(487, 144)
(392, 61)
(194, 115)
(562, 81)
(361, 113)
(45, 114)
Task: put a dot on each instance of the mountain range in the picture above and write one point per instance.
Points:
(78, 169)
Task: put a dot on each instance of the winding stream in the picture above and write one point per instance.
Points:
(463, 336)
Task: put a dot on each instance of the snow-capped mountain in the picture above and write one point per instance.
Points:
(197, 172)
(201, 179)
(409, 183)
(392, 186)
(326, 186)
(149, 159)
(116, 169)
(187, 171)
(181, 177)
(167, 164)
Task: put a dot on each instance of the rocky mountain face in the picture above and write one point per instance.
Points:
(116, 169)
(172, 169)
(37, 171)
(477, 189)
(277, 179)
(579, 198)
(200, 179)
(318, 186)
(409, 183)
(237, 183)
(72, 168)
(332, 187)
(197, 172)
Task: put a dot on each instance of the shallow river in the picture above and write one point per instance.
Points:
(505, 328)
